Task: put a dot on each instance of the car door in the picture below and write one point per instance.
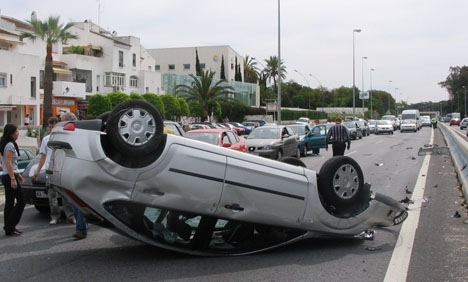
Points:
(316, 137)
(291, 142)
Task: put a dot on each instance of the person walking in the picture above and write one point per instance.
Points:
(45, 153)
(81, 227)
(26, 119)
(338, 135)
(12, 179)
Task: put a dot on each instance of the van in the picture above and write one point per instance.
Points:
(412, 114)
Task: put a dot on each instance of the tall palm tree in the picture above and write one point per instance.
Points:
(271, 70)
(251, 72)
(50, 31)
(204, 92)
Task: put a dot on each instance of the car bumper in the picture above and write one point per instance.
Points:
(35, 195)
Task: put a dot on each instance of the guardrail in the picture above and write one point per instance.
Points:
(459, 152)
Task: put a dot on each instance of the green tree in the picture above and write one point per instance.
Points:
(136, 96)
(223, 74)
(171, 105)
(204, 91)
(184, 107)
(251, 72)
(198, 69)
(51, 32)
(156, 101)
(117, 97)
(98, 104)
(271, 70)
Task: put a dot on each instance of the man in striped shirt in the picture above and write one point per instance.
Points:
(338, 135)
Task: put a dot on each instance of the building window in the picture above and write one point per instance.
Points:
(3, 80)
(171, 67)
(202, 66)
(114, 79)
(133, 81)
(134, 60)
(121, 59)
(33, 87)
(186, 66)
(41, 79)
(11, 79)
(157, 67)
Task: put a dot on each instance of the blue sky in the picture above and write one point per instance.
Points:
(413, 43)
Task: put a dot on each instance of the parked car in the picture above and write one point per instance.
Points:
(273, 141)
(384, 126)
(174, 126)
(364, 127)
(247, 130)
(220, 137)
(408, 125)
(26, 156)
(304, 120)
(238, 130)
(260, 122)
(205, 200)
(372, 124)
(302, 129)
(354, 130)
(392, 119)
(426, 121)
(34, 191)
(251, 125)
(315, 138)
(464, 123)
(455, 121)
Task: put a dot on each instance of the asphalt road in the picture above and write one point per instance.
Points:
(390, 164)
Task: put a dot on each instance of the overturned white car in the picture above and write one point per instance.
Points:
(193, 197)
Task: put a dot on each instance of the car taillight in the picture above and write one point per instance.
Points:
(69, 126)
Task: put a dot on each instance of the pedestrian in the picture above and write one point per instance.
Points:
(26, 119)
(434, 122)
(316, 151)
(52, 194)
(81, 227)
(338, 136)
(11, 179)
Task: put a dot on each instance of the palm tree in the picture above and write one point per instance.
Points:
(204, 92)
(51, 32)
(271, 70)
(251, 72)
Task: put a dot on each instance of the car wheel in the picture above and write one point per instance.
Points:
(298, 153)
(304, 151)
(42, 209)
(103, 117)
(135, 132)
(279, 154)
(340, 181)
(292, 161)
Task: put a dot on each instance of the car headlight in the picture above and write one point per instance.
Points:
(266, 147)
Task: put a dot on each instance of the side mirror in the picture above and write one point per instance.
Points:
(226, 145)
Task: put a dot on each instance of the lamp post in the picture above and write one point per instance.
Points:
(354, 74)
(389, 94)
(464, 87)
(279, 65)
(307, 85)
(362, 76)
(321, 88)
(396, 111)
(372, 112)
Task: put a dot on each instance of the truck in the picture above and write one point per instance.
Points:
(412, 114)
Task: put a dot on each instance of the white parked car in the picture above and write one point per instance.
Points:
(190, 196)
(408, 125)
(384, 126)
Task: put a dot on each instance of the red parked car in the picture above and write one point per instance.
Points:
(220, 137)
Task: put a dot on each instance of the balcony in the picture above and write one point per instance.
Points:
(69, 89)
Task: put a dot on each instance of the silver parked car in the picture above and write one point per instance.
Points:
(464, 123)
(193, 197)
(274, 142)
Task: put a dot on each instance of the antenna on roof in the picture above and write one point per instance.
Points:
(99, 12)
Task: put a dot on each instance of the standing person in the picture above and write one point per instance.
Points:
(434, 122)
(81, 228)
(46, 152)
(12, 180)
(26, 119)
(338, 135)
(316, 152)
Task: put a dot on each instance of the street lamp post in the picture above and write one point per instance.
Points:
(371, 110)
(354, 75)
(362, 90)
(307, 85)
(321, 89)
(464, 87)
(279, 65)
(389, 94)
(396, 110)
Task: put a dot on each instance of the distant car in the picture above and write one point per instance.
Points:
(220, 137)
(392, 119)
(24, 158)
(174, 126)
(454, 121)
(384, 126)
(408, 125)
(426, 121)
(303, 120)
(464, 123)
(273, 141)
(166, 191)
(364, 125)
(315, 138)
(260, 122)
(354, 130)
(247, 130)
(372, 123)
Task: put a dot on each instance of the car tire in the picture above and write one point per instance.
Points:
(298, 153)
(304, 151)
(340, 181)
(42, 209)
(292, 161)
(279, 154)
(135, 132)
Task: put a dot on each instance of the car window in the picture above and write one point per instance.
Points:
(234, 138)
(225, 139)
(290, 131)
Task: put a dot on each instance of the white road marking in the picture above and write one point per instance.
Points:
(398, 267)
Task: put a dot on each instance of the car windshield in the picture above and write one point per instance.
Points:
(383, 122)
(265, 133)
(299, 129)
(208, 137)
(350, 124)
(405, 121)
